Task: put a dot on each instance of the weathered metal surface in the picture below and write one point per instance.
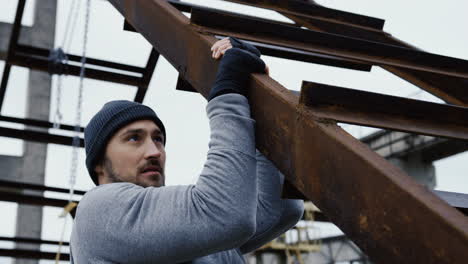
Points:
(385, 111)
(451, 89)
(381, 209)
(312, 10)
(38, 136)
(330, 44)
(11, 49)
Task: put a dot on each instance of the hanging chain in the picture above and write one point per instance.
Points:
(76, 138)
(59, 59)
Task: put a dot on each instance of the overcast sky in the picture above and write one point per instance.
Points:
(435, 26)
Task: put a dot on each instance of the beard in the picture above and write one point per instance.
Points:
(115, 177)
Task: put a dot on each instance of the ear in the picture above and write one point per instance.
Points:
(99, 169)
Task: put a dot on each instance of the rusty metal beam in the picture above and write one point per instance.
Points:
(330, 44)
(372, 201)
(313, 10)
(451, 89)
(385, 111)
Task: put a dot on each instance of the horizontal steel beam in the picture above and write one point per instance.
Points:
(9, 196)
(384, 111)
(330, 44)
(43, 137)
(37, 123)
(453, 90)
(36, 187)
(42, 64)
(312, 10)
(282, 52)
(32, 254)
(32, 241)
(36, 51)
(368, 198)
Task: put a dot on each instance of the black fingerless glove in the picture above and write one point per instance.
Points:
(234, 71)
(244, 46)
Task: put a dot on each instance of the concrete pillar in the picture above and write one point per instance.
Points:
(29, 218)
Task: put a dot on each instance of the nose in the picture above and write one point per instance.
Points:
(152, 151)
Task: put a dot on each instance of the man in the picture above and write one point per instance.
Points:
(234, 208)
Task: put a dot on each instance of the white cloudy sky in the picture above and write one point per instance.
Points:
(435, 26)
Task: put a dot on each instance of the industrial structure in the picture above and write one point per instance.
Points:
(354, 186)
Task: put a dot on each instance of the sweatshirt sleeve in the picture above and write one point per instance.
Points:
(123, 221)
(274, 215)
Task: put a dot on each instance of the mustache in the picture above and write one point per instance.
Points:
(151, 164)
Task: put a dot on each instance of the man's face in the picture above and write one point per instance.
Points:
(135, 154)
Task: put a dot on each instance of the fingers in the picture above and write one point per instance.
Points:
(220, 47)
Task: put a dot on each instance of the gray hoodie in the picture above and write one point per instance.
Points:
(233, 208)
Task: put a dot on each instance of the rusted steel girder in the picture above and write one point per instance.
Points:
(385, 111)
(312, 10)
(267, 31)
(451, 89)
(385, 212)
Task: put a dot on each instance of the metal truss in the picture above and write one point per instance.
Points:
(379, 207)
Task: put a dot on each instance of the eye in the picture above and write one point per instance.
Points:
(133, 138)
(158, 138)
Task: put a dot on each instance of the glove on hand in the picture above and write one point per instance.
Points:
(234, 71)
(244, 46)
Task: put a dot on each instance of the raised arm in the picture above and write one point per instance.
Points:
(123, 221)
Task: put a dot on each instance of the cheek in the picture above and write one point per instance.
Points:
(125, 162)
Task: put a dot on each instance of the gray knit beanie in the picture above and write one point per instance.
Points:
(113, 116)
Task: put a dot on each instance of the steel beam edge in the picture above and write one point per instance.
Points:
(384, 111)
(372, 201)
(325, 43)
(38, 136)
(450, 89)
(32, 254)
(313, 10)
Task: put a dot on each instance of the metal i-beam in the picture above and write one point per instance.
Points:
(330, 44)
(384, 211)
(11, 49)
(385, 111)
(451, 89)
(32, 240)
(313, 10)
(38, 136)
(32, 254)
(36, 123)
(36, 187)
(146, 78)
